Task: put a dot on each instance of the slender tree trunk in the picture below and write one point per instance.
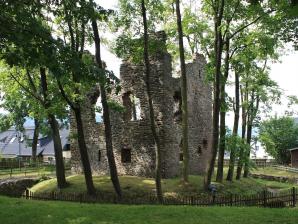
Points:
(218, 46)
(216, 103)
(184, 97)
(109, 144)
(59, 163)
(222, 128)
(84, 152)
(244, 98)
(235, 128)
(35, 140)
(248, 141)
(254, 111)
(222, 139)
(75, 105)
(151, 110)
(106, 117)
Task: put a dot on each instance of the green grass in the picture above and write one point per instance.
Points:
(31, 171)
(275, 172)
(15, 211)
(142, 186)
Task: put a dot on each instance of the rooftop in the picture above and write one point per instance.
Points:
(13, 143)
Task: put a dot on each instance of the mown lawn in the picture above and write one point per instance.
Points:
(275, 172)
(30, 171)
(15, 211)
(141, 186)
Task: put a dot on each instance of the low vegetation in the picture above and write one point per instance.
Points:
(275, 172)
(20, 210)
(174, 186)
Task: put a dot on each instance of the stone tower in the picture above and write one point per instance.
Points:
(132, 139)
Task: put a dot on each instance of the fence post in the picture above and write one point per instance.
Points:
(213, 198)
(81, 197)
(231, 200)
(265, 198)
(27, 193)
(10, 169)
(294, 196)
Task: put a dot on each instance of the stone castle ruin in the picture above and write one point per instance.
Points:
(133, 143)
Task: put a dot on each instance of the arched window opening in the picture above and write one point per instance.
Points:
(132, 107)
(177, 106)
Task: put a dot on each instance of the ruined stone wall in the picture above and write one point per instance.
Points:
(94, 137)
(199, 115)
(132, 138)
(136, 134)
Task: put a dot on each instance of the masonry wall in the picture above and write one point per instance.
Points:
(132, 139)
(94, 137)
(199, 115)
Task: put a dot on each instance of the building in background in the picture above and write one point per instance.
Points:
(14, 144)
(294, 157)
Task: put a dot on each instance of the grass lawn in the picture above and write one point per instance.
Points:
(28, 171)
(272, 171)
(15, 211)
(141, 186)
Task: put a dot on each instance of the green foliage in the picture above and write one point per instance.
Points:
(236, 143)
(5, 122)
(128, 20)
(277, 135)
(114, 105)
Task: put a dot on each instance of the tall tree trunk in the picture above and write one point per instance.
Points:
(75, 105)
(59, 164)
(151, 110)
(235, 128)
(218, 45)
(222, 128)
(248, 141)
(222, 139)
(106, 117)
(244, 98)
(216, 103)
(254, 111)
(84, 152)
(35, 140)
(184, 97)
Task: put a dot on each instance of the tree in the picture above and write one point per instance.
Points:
(260, 92)
(105, 106)
(218, 7)
(20, 86)
(5, 122)
(26, 45)
(277, 135)
(184, 96)
(137, 20)
(150, 102)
